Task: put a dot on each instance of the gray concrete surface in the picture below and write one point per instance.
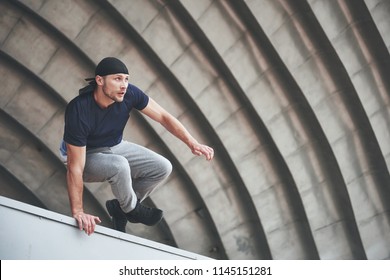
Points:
(292, 94)
(41, 241)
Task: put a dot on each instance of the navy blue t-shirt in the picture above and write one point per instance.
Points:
(86, 124)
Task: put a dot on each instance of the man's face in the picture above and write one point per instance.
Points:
(114, 86)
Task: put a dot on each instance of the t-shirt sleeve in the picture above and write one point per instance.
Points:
(76, 128)
(141, 100)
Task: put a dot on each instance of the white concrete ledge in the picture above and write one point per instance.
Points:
(29, 232)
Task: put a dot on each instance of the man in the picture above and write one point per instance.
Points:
(95, 151)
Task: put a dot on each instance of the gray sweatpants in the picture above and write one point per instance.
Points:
(133, 171)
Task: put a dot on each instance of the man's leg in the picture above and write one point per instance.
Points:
(102, 165)
(133, 173)
(148, 169)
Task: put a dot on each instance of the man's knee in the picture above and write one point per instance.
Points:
(168, 168)
(120, 165)
(163, 168)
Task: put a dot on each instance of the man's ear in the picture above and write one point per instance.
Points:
(99, 80)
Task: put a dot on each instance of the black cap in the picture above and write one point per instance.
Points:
(110, 65)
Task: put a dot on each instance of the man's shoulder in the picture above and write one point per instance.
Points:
(136, 97)
(134, 93)
(80, 103)
(134, 89)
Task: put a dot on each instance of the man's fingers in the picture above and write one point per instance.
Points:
(91, 224)
(87, 222)
(97, 219)
(79, 221)
(208, 152)
(211, 153)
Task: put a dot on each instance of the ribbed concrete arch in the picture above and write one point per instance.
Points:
(11, 187)
(367, 71)
(313, 152)
(268, 153)
(321, 75)
(26, 158)
(293, 95)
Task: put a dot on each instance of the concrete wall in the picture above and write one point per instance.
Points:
(293, 96)
(52, 236)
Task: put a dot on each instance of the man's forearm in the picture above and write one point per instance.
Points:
(176, 128)
(75, 192)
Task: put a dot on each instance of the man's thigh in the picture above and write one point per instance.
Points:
(101, 166)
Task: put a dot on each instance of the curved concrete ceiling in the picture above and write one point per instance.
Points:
(293, 96)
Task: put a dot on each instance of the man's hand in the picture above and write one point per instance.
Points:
(86, 222)
(199, 149)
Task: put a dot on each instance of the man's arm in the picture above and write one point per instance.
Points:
(174, 126)
(75, 165)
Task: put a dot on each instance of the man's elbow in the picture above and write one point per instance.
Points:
(74, 171)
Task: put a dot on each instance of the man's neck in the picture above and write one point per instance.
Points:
(101, 100)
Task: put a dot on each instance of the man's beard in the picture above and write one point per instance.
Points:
(113, 98)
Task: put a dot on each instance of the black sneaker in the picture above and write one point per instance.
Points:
(119, 219)
(145, 215)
